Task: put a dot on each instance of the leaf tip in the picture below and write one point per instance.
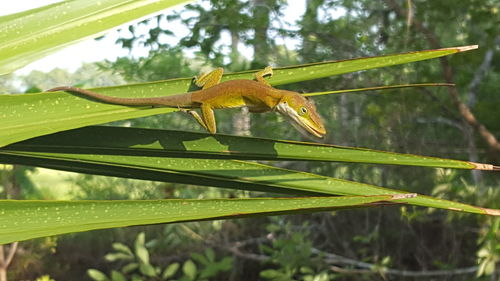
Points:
(492, 212)
(485, 167)
(466, 48)
(403, 196)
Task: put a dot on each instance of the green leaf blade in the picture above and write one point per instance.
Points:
(298, 73)
(26, 219)
(167, 143)
(222, 173)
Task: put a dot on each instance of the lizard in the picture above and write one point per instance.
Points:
(258, 95)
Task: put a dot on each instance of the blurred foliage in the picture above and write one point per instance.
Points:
(44, 278)
(136, 265)
(15, 183)
(161, 64)
(7, 85)
(489, 253)
(93, 187)
(420, 121)
(291, 254)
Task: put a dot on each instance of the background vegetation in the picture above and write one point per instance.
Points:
(385, 243)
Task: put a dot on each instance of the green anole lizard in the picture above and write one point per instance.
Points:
(259, 96)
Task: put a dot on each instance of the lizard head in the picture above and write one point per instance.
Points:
(302, 113)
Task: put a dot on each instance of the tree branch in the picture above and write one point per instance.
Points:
(336, 259)
(10, 255)
(481, 71)
(464, 110)
(2, 256)
(353, 266)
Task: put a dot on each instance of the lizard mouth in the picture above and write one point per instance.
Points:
(303, 125)
(317, 132)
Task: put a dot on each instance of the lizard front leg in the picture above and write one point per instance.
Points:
(259, 76)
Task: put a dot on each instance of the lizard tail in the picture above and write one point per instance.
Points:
(180, 100)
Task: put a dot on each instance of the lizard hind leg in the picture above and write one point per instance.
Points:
(207, 120)
(210, 79)
(198, 118)
(259, 76)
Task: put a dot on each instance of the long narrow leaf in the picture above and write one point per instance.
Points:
(390, 87)
(221, 173)
(27, 219)
(167, 143)
(30, 115)
(33, 34)
(298, 73)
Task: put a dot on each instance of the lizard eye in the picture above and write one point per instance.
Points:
(303, 110)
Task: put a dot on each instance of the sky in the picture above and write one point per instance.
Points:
(72, 57)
